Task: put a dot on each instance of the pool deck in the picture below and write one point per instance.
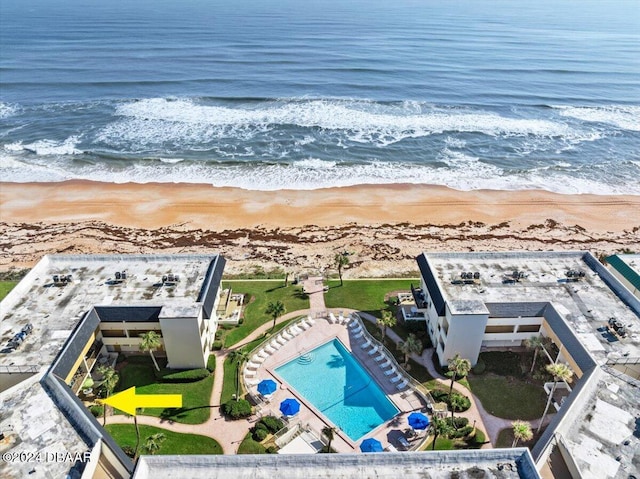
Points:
(407, 401)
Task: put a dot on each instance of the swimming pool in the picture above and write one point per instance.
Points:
(331, 379)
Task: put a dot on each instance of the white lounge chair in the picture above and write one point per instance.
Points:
(252, 381)
(275, 344)
(402, 385)
(380, 357)
(269, 349)
(294, 330)
(357, 330)
(264, 354)
(304, 325)
(359, 334)
(310, 320)
(281, 340)
(386, 363)
(249, 374)
(390, 372)
(354, 323)
(373, 351)
(286, 335)
(332, 318)
(366, 344)
(340, 318)
(397, 378)
(252, 365)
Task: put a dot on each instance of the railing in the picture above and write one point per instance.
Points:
(623, 360)
(418, 387)
(18, 369)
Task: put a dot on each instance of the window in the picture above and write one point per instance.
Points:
(499, 329)
(113, 333)
(529, 328)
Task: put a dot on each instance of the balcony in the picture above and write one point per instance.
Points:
(420, 298)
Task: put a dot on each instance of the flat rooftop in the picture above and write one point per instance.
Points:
(586, 304)
(470, 464)
(55, 309)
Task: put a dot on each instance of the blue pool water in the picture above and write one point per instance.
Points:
(331, 379)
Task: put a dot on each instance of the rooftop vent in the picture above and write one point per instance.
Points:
(574, 275)
(170, 279)
(61, 279)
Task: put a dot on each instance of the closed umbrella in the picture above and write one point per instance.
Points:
(290, 407)
(418, 421)
(371, 445)
(267, 386)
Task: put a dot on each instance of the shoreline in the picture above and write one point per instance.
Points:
(385, 226)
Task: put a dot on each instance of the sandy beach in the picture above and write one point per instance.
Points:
(384, 227)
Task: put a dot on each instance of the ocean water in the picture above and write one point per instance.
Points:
(271, 94)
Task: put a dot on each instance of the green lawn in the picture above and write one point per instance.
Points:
(260, 294)
(508, 397)
(5, 287)
(175, 443)
(195, 395)
(229, 382)
(249, 446)
(364, 295)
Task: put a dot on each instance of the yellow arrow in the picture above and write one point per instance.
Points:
(128, 401)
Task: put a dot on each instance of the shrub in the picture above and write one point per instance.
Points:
(219, 334)
(129, 451)
(211, 363)
(97, 410)
(272, 423)
(184, 376)
(217, 345)
(272, 450)
(466, 402)
(237, 409)
(459, 422)
(260, 434)
(441, 395)
(462, 432)
(480, 367)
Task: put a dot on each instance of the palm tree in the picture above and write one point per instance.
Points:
(410, 346)
(458, 368)
(110, 379)
(560, 372)
(150, 342)
(135, 423)
(536, 343)
(387, 321)
(153, 442)
(456, 402)
(275, 310)
(328, 431)
(340, 260)
(239, 356)
(439, 427)
(521, 432)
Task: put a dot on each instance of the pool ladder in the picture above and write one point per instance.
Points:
(306, 358)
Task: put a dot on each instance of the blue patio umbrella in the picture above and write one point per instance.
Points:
(371, 445)
(418, 421)
(267, 386)
(289, 407)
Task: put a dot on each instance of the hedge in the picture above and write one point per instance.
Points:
(237, 409)
(185, 376)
